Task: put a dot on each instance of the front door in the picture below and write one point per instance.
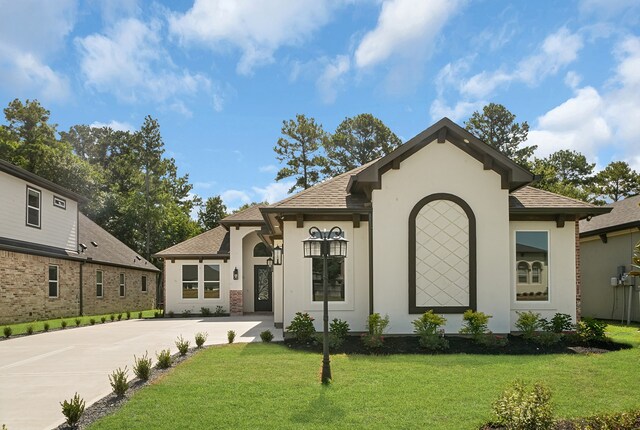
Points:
(263, 290)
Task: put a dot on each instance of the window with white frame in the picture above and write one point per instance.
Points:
(211, 281)
(33, 207)
(59, 202)
(53, 281)
(335, 279)
(144, 283)
(532, 270)
(99, 279)
(190, 281)
(122, 285)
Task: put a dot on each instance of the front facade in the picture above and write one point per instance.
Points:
(52, 256)
(444, 223)
(607, 244)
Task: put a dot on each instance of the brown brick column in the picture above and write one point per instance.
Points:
(578, 278)
(235, 302)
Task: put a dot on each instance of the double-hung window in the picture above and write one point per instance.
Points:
(211, 281)
(532, 269)
(53, 281)
(190, 281)
(34, 199)
(99, 278)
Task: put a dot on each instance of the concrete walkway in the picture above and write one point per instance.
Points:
(38, 372)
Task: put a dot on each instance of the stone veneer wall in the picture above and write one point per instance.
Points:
(24, 289)
(578, 279)
(235, 302)
(134, 299)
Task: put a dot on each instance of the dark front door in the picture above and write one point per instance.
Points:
(263, 301)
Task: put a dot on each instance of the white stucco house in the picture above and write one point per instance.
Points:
(444, 222)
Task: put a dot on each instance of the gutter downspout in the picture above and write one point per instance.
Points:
(371, 262)
(81, 281)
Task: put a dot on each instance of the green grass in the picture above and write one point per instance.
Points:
(38, 326)
(270, 386)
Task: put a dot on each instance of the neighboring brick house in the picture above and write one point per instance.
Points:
(56, 262)
(444, 223)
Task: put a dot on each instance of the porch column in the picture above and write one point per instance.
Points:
(235, 302)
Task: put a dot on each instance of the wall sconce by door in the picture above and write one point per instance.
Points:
(235, 274)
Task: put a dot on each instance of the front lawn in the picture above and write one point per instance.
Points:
(271, 386)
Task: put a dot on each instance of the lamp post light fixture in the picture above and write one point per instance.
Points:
(270, 263)
(325, 244)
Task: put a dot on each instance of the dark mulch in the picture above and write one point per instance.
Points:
(516, 345)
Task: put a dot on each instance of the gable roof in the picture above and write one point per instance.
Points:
(210, 244)
(624, 214)
(513, 175)
(110, 251)
(248, 216)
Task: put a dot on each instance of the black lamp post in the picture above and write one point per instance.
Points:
(325, 244)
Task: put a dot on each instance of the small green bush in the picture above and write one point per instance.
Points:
(142, 367)
(92, 321)
(30, 329)
(78, 322)
(103, 320)
(476, 324)
(72, 410)
(118, 381)
(139, 315)
(112, 317)
(231, 336)
(119, 317)
(548, 338)
(302, 327)
(45, 326)
(7, 332)
(376, 326)
(201, 338)
(63, 324)
(616, 421)
(182, 345)
(266, 336)
(427, 328)
(128, 315)
(528, 323)
(219, 312)
(164, 359)
(520, 408)
(205, 312)
(558, 324)
(339, 328)
(591, 330)
(186, 313)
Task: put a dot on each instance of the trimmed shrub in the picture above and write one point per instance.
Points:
(476, 324)
(78, 322)
(119, 317)
(112, 317)
(520, 408)
(103, 320)
(618, 421)
(118, 381)
(201, 338)
(186, 313)
(72, 410)
(205, 312)
(266, 336)
(8, 331)
(302, 327)
(63, 324)
(528, 323)
(182, 345)
(139, 315)
(219, 312)
(231, 335)
(92, 321)
(558, 324)
(591, 330)
(376, 325)
(142, 367)
(427, 328)
(45, 326)
(339, 328)
(30, 329)
(128, 314)
(164, 359)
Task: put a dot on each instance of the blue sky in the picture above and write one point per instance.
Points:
(222, 75)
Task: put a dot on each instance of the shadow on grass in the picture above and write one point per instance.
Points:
(321, 410)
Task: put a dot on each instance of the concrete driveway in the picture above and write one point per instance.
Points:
(38, 372)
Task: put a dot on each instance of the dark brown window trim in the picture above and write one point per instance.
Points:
(62, 203)
(26, 220)
(413, 309)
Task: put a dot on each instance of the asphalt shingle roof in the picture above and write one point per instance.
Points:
(249, 214)
(530, 197)
(624, 212)
(214, 242)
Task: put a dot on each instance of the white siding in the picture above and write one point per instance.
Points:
(58, 227)
(440, 168)
(173, 281)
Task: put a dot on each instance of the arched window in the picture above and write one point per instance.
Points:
(536, 273)
(523, 273)
(261, 250)
(442, 255)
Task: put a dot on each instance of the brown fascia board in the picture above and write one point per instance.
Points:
(501, 164)
(311, 211)
(610, 229)
(580, 212)
(243, 223)
(192, 256)
(42, 182)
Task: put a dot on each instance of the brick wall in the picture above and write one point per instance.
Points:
(24, 289)
(235, 302)
(578, 279)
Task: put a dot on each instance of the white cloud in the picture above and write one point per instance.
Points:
(269, 168)
(113, 124)
(461, 110)
(130, 62)
(332, 78)
(404, 26)
(235, 198)
(572, 79)
(257, 27)
(31, 33)
(607, 8)
(273, 192)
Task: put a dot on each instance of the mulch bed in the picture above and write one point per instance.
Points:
(463, 345)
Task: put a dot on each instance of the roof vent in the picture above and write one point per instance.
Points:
(94, 243)
(82, 246)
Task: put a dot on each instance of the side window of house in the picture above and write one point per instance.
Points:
(144, 284)
(532, 266)
(122, 285)
(211, 281)
(33, 207)
(335, 284)
(190, 281)
(53, 281)
(99, 276)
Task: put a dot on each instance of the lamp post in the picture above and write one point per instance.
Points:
(325, 244)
